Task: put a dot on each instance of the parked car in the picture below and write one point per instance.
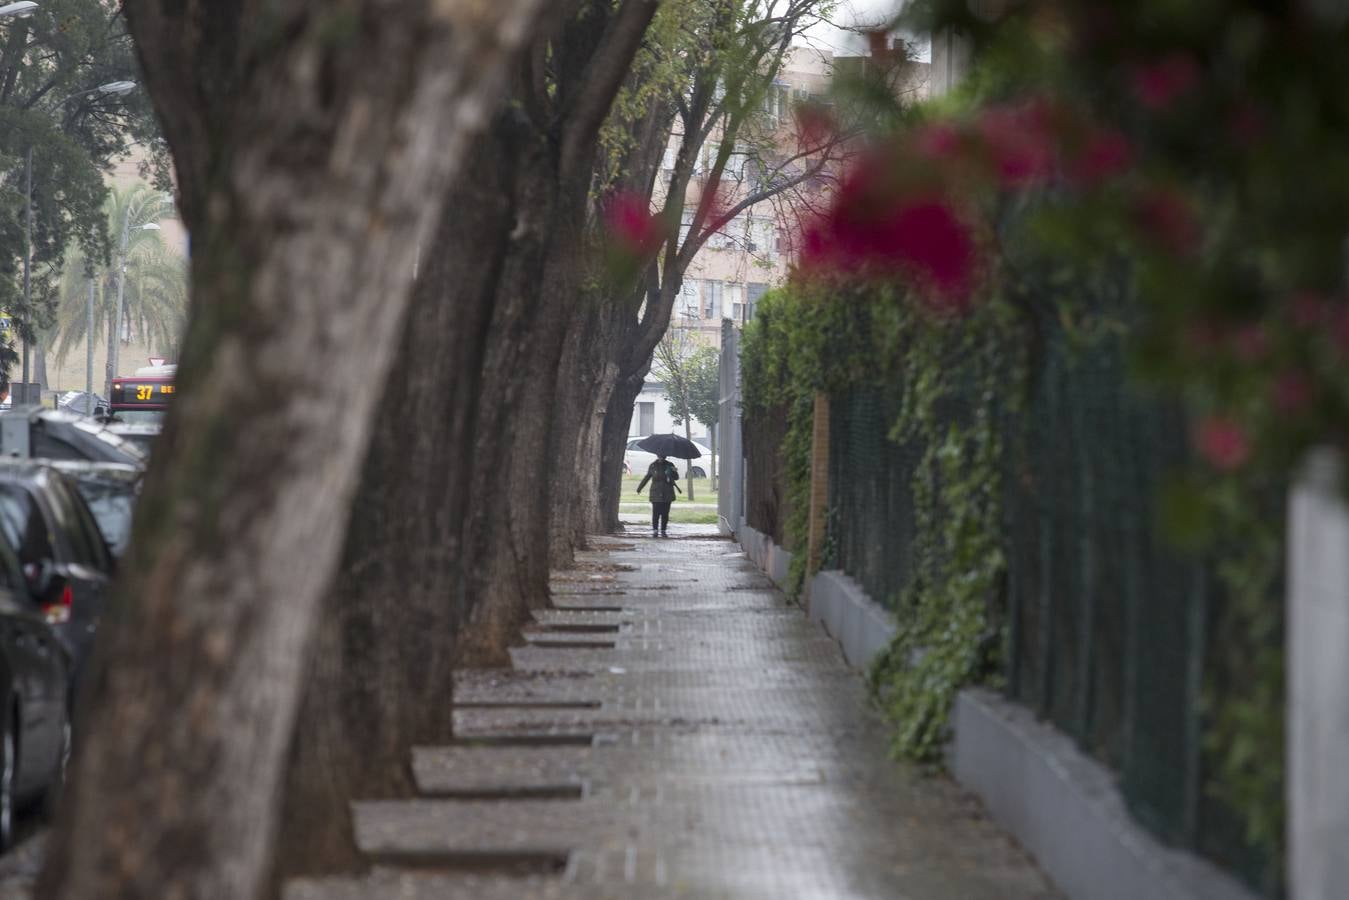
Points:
(111, 491)
(37, 432)
(638, 460)
(57, 540)
(35, 682)
(81, 403)
(140, 434)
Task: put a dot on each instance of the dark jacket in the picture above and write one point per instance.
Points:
(662, 474)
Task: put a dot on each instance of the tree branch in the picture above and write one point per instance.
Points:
(587, 110)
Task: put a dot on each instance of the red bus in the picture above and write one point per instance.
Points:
(143, 397)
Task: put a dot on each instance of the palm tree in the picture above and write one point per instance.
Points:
(154, 299)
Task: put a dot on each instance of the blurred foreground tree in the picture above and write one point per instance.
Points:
(307, 178)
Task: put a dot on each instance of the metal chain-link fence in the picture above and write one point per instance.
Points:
(766, 502)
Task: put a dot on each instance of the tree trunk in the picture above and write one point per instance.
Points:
(305, 173)
(522, 427)
(614, 443)
(381, 676)
(688, 436)
(585, 382)
(40, 364)
(108, 373)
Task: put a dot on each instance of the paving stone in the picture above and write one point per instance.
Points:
(727, 752)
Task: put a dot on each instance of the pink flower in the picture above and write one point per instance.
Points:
(1020, 142)
(632, 226)
(1166, 218)
(917, 237)
(940, 140)
(1223, 443)
(1251, 343)
(1292, 392)
(1105, 154)
(1158, 85)
(1203, 336)
(1339, 329)
(1308, 310)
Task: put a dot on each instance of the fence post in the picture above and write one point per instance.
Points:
(1318, 670)
(819, 484)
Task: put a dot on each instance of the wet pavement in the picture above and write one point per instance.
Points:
(675, 728)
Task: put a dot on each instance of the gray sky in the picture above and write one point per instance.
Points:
(855, 13)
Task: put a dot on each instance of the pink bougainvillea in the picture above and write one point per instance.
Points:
(1020, 142)
(632, 228)
(1159, 84)
(1104, 154)
(1165, 217)
(937, 141)
(1292, 392)
(1251, 343)
(1222, 442)
(920, 238)
(1308, 310)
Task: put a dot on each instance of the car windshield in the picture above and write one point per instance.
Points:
(112, 503)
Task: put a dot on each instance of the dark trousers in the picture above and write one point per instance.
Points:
(660, 516)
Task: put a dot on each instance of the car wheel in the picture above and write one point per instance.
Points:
(8, 767)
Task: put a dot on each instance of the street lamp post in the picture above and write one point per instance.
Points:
(89, 354)
(27, 257)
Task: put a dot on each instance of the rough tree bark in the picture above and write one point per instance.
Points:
(586, 381)
(304, 174)
(381, 674)
(561, 115)
(613, 445)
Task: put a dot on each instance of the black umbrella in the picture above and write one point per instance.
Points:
(670, 445)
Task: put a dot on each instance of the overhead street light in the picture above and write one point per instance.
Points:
(111, 89)
(21, 10)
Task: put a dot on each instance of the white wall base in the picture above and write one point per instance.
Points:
(863, 627)
(768, 556)
(1318, 680)
(1064, 808)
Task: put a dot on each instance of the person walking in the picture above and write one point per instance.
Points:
(662, 474)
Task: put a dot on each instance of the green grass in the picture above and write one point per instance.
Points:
(677, 516)
(702, 491)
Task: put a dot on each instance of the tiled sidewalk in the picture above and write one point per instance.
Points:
(675, 729)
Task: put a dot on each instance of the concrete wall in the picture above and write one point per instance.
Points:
(1064, 808)
(863, 627)
(768, 556)
(1318, 683)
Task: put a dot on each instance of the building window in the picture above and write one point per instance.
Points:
(646, 418)
(712, 300)
(733, 300)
